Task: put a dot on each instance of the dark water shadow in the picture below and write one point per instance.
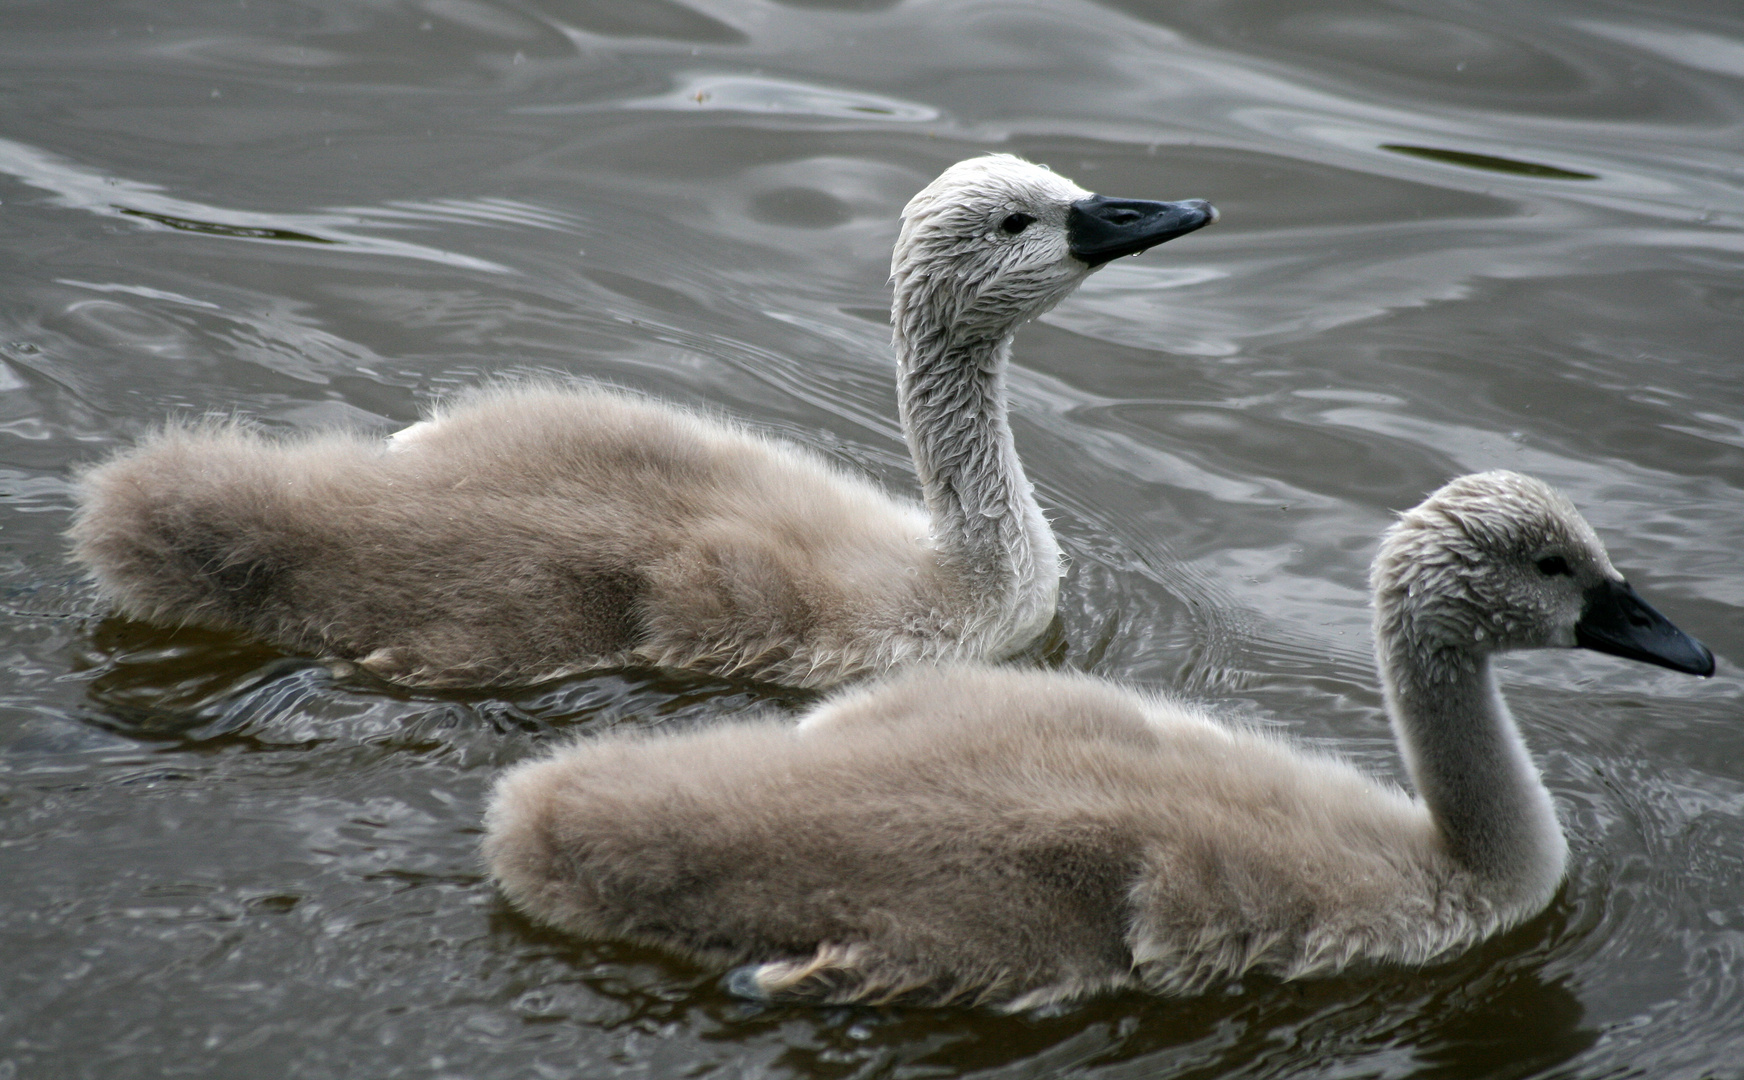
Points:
(1479, 1019)
(200, 689)
(1488, 162)
(1492, 1013)
(213, 228)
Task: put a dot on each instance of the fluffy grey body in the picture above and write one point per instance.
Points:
(528, 531)
(532, 531)
(975, 834)
(972, 834)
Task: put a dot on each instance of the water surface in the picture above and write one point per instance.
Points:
(1454, 237)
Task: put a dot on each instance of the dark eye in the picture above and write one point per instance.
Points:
(1552, 565)
(1016, 223)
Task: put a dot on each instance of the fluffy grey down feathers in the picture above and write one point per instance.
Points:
(980, 835)
(530, 532)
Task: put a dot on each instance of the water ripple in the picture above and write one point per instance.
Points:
(712, 91)
(77, 187)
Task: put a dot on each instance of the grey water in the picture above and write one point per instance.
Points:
(1456, 235)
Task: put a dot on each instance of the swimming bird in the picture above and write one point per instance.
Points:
(967, 833)
(531, 530)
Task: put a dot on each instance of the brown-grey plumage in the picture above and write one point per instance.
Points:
(970, 833)
(530, 530)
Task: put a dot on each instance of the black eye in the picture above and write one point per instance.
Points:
(1016, 223)
(1552, 565)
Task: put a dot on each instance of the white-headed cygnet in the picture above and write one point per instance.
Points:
(527, 531)
(975, 834)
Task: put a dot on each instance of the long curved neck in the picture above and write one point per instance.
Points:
(986, 524)
(1470, 766)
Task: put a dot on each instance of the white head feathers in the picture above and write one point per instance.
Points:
(1491, 561)
(984, 247)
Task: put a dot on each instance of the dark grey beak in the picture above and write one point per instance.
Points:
(1617, 621)
(1099, 228)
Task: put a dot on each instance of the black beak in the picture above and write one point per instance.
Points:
(1617, 621)
(1099, 228)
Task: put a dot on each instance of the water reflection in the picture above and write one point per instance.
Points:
(195, 687)
(1499, 1021)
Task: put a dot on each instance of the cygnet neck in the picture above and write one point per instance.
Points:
(1470, 766)
(986, 523)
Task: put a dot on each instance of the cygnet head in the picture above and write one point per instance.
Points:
(996, 240)
(1497, 561)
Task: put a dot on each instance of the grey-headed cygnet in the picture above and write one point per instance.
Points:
(1013, 837)
(527, 531)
